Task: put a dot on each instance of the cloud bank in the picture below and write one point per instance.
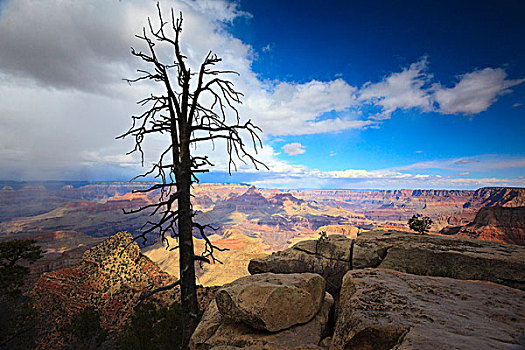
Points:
(414, 87)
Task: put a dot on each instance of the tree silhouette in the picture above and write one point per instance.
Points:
(11, 253)
(18, 321)
(194, 108)
(420, 224)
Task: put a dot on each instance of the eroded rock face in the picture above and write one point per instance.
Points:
(441, 256)
(379, 309)
(272, 302)
(331, 259)
(407, 252)
(499, 224)
(216, 332)
(110, 278)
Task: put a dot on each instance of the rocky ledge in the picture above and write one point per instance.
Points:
(397, 290)
(499, 224)
(386, 309)
(406, 252)
(330, 258)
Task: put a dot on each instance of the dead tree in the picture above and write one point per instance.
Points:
(181, 114)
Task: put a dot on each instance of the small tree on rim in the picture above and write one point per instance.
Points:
(420, 224)
(181, 113)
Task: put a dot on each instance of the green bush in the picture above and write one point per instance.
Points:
(152, 328)
(420, 224)
(18, 321)
(85, 331)
(11, 254)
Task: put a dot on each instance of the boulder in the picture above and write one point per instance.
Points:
(383, 309)
(432, 255)
(330, 258)
(217, 332)
(272, 302)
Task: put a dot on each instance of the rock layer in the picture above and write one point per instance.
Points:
(383, 309)
(499, 224)
(111, 277)
(441, 256)
(272, 302)
(418, 254)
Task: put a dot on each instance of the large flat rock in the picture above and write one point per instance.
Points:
(441, 256)
(330, 259)
(385, 309)
(426, 255)
(216, 332)
(272, 302)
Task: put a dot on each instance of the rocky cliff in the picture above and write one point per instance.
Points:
(445, 207)
(111, 277)
(498, 196)
(67, 220)
(427, 255)
(499, 224)
(392, 290)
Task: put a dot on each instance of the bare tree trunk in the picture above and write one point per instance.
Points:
(186, 256)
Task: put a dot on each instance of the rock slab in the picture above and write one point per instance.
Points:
(216, 332)
(431, 255)
(272, 302)
(330, 258)
(383, 309)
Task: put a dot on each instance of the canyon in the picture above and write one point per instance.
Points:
(68, 219)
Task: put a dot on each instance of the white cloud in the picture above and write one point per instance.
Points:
(466, 161)
(475, 92)
(403, 90)
(378, 179)
(62, 98)
(267, 48)
(478, 163)
(294, 149)
(296, 109)
(68, 45)
(413, 87)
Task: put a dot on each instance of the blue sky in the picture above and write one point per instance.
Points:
(376, 94)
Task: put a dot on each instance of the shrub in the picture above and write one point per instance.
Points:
(152, 328)
(420, 224)
(85, 331)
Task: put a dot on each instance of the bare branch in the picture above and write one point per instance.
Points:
(155, 291)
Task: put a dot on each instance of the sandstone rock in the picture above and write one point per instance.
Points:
(441, 256)
(216, 332)
(110, 278)
(383, 309)
(331, 259)
(499, 224)
(272, 302)
(407, 252)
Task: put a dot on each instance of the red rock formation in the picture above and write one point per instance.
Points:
(110, 278)
(498, 196)
(499, 224)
